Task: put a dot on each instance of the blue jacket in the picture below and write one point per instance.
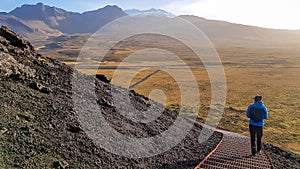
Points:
(258, 105)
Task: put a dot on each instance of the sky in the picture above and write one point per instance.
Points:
(277, 14)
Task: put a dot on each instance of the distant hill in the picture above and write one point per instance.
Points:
(65, 21)
(49, 15)
(225, 33)
(15, 24)
(151, 11)
(91, 21)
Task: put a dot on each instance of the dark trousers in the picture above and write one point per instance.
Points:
(256, 133)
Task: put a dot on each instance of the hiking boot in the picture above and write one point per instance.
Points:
(253, 151)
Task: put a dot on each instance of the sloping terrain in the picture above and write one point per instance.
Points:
(226, 34)
(15, 24)
(39, 127)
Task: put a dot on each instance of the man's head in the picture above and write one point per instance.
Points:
(257, 98)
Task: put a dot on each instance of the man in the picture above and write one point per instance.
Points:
(257, 112)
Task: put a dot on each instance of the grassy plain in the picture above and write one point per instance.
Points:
(272, 71)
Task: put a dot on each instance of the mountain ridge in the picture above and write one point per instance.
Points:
(15, 23)
(65, 21)
(226, 33)
(53, 21)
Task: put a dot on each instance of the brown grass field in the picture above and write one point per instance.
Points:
(272, 71)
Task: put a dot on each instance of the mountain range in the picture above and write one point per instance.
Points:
(43, 19)
(65, 21)
(39, 20)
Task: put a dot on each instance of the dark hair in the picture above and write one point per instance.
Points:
(257, 98)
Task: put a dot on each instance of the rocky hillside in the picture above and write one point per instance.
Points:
(39, 127)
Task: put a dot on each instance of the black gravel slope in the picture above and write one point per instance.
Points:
(281, 158)
(39, 127)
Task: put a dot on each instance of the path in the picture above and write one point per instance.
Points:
(234, 152)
